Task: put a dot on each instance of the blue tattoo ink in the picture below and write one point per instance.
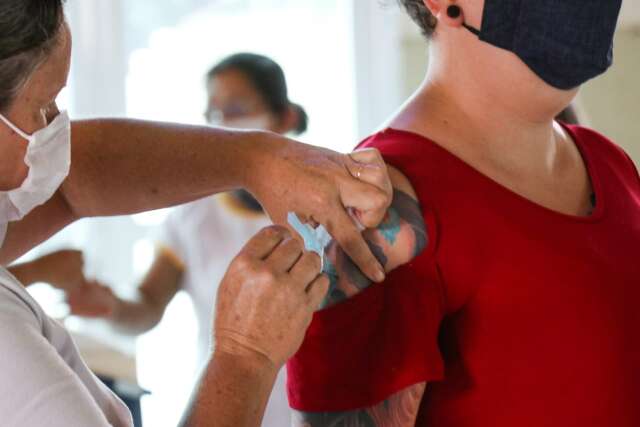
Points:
(330, 270)
(409, 210)
(390, 228)
(334, 293)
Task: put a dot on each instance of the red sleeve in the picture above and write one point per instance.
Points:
(612, 153)
(633, 168)
(385, 339)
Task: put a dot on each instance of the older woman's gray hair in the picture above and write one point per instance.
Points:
(28, 31)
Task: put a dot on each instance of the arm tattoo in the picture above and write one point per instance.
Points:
(400, 410)
(390, 226)
(402, 232)
(409, 210)
(402, 226)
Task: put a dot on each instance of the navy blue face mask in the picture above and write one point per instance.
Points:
(565, 42)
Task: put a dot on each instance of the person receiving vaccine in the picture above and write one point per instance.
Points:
(199, 240)
(521, 311)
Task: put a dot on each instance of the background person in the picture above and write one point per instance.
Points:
(62, 269)
(245, 91)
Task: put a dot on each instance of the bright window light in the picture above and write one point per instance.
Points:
(154, 55)
(169, 57)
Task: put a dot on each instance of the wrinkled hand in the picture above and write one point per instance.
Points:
(367, 165)
(92, 299)
(320, 185)
(63, 269)
(267, 298)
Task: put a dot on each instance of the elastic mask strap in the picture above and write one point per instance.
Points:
(471, 29)
(14, 128)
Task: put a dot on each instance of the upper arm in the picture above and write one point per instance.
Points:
(397, 240)
(42, 223)
(402, 234)
(23, 272)
(370, 353)
(399, 410)
(163, 279)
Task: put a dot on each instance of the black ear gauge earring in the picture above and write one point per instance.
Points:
(454, 11)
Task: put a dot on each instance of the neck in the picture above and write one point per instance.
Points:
(466, 106)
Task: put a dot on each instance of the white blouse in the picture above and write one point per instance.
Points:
(43, 380)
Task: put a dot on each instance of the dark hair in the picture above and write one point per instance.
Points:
(569, 116)
(268, 79)
(28, 31)
(421, 16)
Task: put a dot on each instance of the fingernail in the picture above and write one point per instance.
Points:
(380, 275)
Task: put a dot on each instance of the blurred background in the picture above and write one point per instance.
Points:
(351, 63)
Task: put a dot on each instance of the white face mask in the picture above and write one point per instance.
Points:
(246, 123)
(49, 159)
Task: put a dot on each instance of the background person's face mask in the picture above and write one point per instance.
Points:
(49, 159)
(259, 122)
(565, 42)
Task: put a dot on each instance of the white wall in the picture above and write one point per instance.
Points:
(377, 33)
(630, 15)
(99, 64)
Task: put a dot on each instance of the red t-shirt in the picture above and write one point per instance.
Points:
(515, 315)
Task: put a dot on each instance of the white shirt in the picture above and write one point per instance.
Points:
(206, 236)
(43, 380)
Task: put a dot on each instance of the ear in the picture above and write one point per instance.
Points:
(447, 12)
